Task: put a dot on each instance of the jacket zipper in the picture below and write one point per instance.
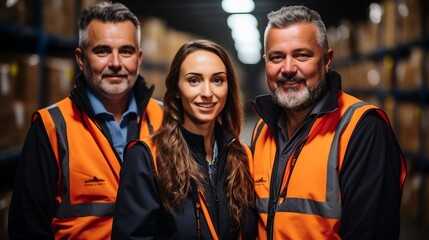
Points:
(213, 185)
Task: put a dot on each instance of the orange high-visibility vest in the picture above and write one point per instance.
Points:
(310, 199)
(88, 167)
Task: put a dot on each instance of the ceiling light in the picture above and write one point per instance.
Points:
(249, 58)
(238, 6)
(241, 20)
(375, 12)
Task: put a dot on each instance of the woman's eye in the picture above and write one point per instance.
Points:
(193, 80)
(218, 80)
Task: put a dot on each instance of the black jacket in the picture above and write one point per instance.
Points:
(140, 215)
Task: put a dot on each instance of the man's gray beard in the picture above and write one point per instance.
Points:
(98, 87)
(310, 98)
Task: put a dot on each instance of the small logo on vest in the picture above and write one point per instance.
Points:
(260, 180)
(95, 181)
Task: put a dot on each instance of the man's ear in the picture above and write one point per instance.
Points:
(79, 55)
(329, 55)
(140, 56)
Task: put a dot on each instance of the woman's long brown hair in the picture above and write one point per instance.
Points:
(176, 168)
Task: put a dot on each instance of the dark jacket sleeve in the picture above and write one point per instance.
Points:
(137, 204)
(250, 226)
(33, 200)
(370, 182)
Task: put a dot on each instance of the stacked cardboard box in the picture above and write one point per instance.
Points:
(159, 44)
(60, 78)
(409, 121)
(20, 89)
(409, 72)
(409, 21)
(59, 17)
(17, 12)
(19, 97)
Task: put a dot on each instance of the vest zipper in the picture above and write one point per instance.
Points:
(272, 211)
(283, 193)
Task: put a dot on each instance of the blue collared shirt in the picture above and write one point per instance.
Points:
(118, 131)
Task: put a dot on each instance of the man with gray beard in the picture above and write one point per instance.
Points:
(68, 173)
(326, 164)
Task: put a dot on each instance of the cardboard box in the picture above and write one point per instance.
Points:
(157, 79)
(389, 106)
(60, 78)
(425, 201)
(388, 26)
(366, 35)
(341, 39)
(59, 17)
(20, 79)
(28, 80)
(4, 210)
(346, 77)
(409, 20)
(409, 70)
(411, 193)
(425, 132)
(358, 76)
(175, 40)
(86, 3)
(8, 72)
(375, 75)
(18, 12)
(409, 120)
(153, 42)
(16, 120)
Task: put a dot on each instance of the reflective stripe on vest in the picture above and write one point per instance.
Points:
(65, 208)
(331, 208)
(59, 139)
(88, 168)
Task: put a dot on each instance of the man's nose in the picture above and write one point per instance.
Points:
(115, 61)
(289, 66)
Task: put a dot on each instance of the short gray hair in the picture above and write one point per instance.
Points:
(288, 15)
(105, 12)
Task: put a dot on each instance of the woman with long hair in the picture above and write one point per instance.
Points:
(191, 180)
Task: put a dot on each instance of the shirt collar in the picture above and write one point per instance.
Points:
(99, 108)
